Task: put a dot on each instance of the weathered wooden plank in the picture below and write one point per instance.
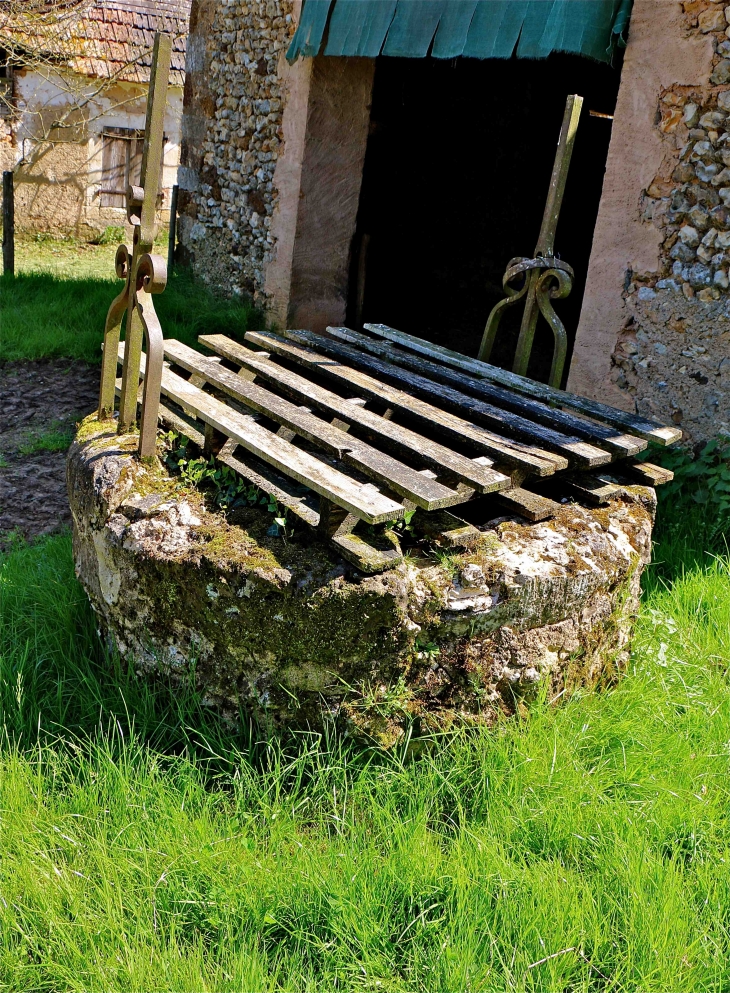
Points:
(578, 452)
(442, 526)
(399, 438)
(592, 489)
(619, 445)
(365, 501)
(407, 482)
(648, 474)
(506, 451)
(529, 505)
(510, 426)
(651, 430)
(271, 483)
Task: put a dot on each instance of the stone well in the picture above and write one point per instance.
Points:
(286, 631)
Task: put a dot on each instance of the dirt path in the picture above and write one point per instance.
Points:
(36, 397)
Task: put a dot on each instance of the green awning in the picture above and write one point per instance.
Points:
(445, 29)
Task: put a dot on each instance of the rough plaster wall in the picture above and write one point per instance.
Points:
(337, 131)
(654, 333)
(232, 135)
(57, 184)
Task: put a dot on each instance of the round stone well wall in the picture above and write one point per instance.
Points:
(285, 630)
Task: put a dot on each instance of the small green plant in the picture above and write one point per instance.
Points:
(56, 438)
(228, 489)
(703, 476)
(111, 235)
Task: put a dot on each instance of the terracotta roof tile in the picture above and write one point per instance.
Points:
(106, 38)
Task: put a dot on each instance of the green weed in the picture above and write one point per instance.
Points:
(55, 438)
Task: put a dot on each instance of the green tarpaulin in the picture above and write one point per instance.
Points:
(445, 29)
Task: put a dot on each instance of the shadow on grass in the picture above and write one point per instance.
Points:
(47, 316)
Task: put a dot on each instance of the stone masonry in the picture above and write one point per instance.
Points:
(232, 136)
(655, 327)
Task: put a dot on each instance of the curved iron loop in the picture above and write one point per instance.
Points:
(532, 271)
(152, 273)
(112, 330)
(554, 284)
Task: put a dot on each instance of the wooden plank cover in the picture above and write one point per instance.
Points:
(408, 482)
(576, 451)
(365, 501)
(396, 436)
(502, 449)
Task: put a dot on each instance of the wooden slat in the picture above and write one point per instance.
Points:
(620, 445)
(452, 531)
(532, 506)
(407, 482)
(269, 482)
(365, 501)
(648, 474)
(400, 438)
(567, 450)
(506, 451)
(592, 489)
(651, 430)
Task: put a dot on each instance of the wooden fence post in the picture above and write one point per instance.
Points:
(8, 224)
(173, 230)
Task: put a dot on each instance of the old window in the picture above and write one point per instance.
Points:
(121, 164)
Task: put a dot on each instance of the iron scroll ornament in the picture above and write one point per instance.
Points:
(546, 278)
(136, 301)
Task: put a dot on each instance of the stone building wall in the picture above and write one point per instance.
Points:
(655, 327)
(231, 138)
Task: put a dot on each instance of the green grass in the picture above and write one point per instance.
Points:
(55, 438)
(59, 312)
(144, 845)
(147, 846)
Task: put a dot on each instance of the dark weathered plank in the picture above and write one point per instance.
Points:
(619, 445)
(397, 437)
(532, 506)
(510, 426)
(365, 501)
(407, 482)
(505, 450)
(651, 430)
(592, 489)
(453, 393)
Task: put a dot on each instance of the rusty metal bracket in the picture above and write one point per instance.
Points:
(544, 278)
(145, 275)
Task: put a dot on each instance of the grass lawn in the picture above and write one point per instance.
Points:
(57, 303)
(145, 846)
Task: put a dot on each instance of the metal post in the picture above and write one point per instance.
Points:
(173, 229)
(8, 224)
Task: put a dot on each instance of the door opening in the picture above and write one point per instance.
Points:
(455, 179)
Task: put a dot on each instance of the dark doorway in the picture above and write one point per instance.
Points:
(456, 174)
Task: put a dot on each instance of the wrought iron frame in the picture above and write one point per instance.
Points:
(145, 274)
(545, 277)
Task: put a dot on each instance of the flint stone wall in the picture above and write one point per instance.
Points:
(654, 333)
(292, 634)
